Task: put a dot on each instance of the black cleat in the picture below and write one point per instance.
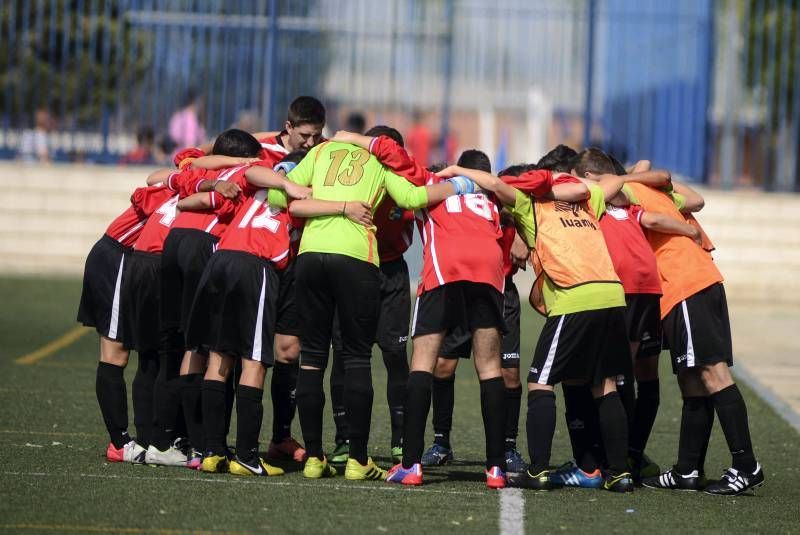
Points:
(526, 480)
(673, 480)
(619, 483)
(735, 482)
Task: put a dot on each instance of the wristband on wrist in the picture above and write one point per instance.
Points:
(286, 167)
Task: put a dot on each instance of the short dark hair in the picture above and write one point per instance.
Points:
(356, 122)
(383, 130)
(306, 110)
(435, 168)
(557, 159)
(592, 160)
(296, 156)
(235, 142)
(514, 170)
(475, 159)
(619, 169)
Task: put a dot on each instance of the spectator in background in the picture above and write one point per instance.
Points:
(34, 145)
(185, 126)
(143, 153)
(356, 122)
(419, 140)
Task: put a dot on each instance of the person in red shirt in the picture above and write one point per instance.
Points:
(100, 307)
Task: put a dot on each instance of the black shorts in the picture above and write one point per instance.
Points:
(186, 253)
(234, 310)
(329, 285)
(458, 342)
(288, 323)
(395, 308)
(462, 304)
(102, 287)
(141, 296)
(698, 331)
(590, 345)
(643, 322)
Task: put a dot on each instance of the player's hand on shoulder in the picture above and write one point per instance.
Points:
(359, 212)
(343, 136)
(229, 190)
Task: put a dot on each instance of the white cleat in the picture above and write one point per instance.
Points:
(170, 457)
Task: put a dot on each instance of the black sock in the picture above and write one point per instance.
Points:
(358, 395)
(213, 402)
(282, 390)
(627, 395)
(396, 379)
(540, 427)
(513, 400)
(166, 400)
(493, 409)
(732, 414)
(337, 399)
(230, 394)
(143, 384)
(193, 409)
(696, 423)
(614, 429)
(310, 404)
(249, 412)
(581, 416)
(709, 408)
(112, 396)
(418, 401)
(443, 396)
(647, 401)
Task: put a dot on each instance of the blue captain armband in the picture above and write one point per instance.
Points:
(462, 184)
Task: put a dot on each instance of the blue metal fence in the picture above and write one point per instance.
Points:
(710, 89)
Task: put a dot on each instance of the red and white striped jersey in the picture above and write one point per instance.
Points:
(127, 227)
(461, 242)
(214, 220)
(272, 150)
(155, 230)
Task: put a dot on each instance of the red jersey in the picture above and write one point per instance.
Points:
(272, 149)
(214, 220)
(185, 156)
(395, 225)
(461, 242)
(509, 232)
(157, 227)
(127, 227)
(537, 182)
(259, 229)
(630, 252)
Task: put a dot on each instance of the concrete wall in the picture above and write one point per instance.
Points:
(52, 215)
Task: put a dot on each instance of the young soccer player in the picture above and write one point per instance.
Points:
(337, 273)
(583, 339)
(696, 327)
(100, 308)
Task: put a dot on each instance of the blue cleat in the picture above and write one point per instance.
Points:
(514, 462)
(437, 455)
(570, 475)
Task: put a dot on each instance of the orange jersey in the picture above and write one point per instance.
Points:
(684, 267)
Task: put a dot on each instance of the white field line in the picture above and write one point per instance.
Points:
(512, 512)
(257, 481)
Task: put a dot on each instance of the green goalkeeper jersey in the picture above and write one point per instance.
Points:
(343, 172)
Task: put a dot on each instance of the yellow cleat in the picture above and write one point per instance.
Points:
(240, 468)
(354, 471)
(316, 469)
(214, 464)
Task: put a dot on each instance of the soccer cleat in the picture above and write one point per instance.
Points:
(570, 475)
(172, 456)
(405, 476)
(526, 480)
(194, 459)
(288, 448)
(397, 454)
(643, 469)
(241, 468)
(129, 453)
(735, 482)
(495, 478)
(214, 464)
(437, 455)
(673, 480)
(340, 453)
(619, 483)
(317, 469)
(355, 471)
(514, 461)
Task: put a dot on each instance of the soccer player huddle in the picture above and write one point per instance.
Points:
(278, 249)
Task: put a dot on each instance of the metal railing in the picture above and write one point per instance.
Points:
(710, 89)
